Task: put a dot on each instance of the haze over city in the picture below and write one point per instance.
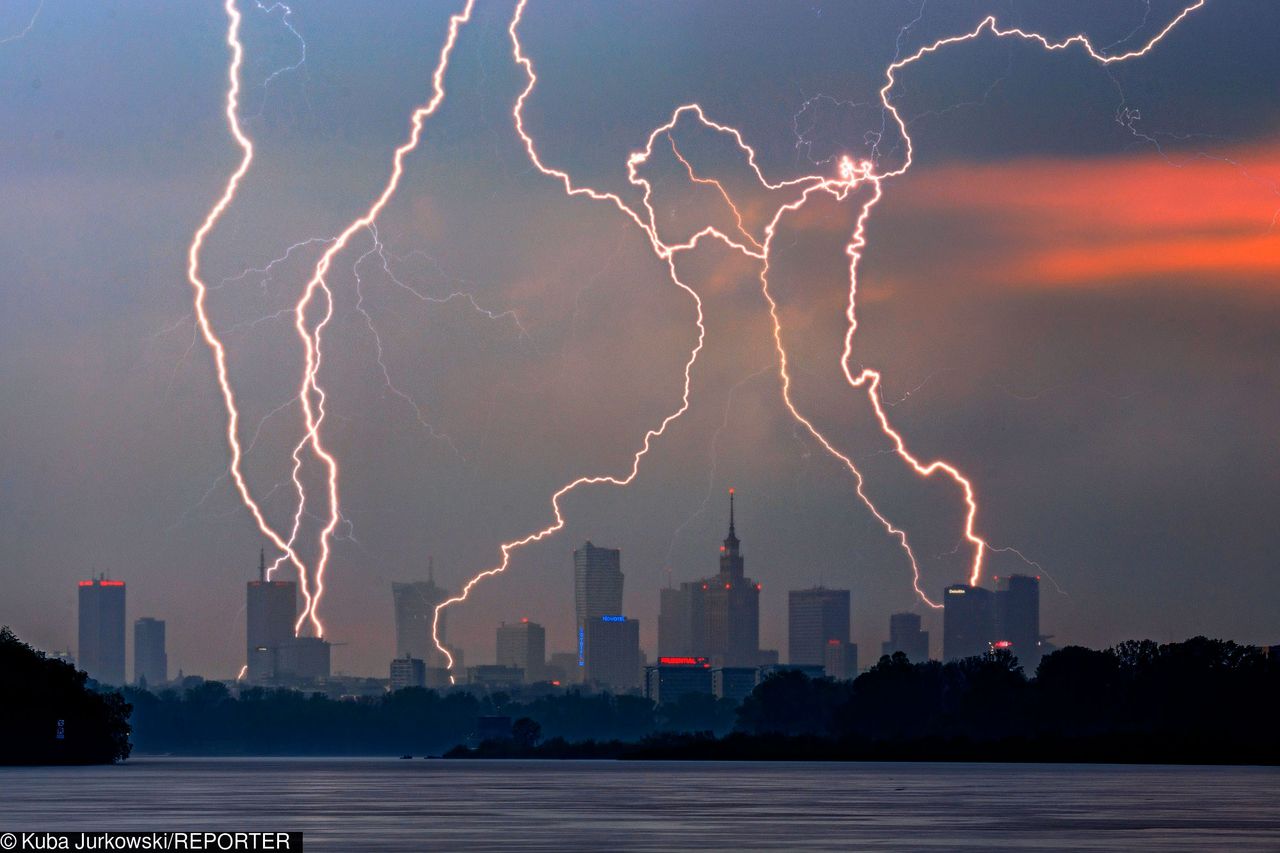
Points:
(1070, 297)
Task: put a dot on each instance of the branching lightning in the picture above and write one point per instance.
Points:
(861, 175)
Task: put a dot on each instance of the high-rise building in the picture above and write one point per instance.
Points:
(977, 620)
(613, 653)
(415, 605)
(969, 621)
(271, 608)
(673, 677)
(102, 630)
(150, 663)
(840, 660)
(905, 636)
(816, 618)
(408, 672)
(717, 617)
(597, 588)
(523, 645)
(1018, 611)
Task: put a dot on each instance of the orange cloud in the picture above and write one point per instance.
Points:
(1093, 222)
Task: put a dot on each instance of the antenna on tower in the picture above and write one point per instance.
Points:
(431, 569)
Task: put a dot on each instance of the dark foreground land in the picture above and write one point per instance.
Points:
(1197, 702)
(48, 714)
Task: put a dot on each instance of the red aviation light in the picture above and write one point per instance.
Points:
(86, 583)
(110, 583)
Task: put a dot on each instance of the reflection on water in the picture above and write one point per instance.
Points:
(377, 804)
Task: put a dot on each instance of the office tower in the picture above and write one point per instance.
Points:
(1018, 611)
(150, 663)
(415, 605)
(969, 621)
(905, 636)
(816, 617)
(717, 617)
(523, 645)
(674, 677)
(408, 672)
(102, 630)
(597, 588)
(270, 611)
(613, 653)
(840, 660)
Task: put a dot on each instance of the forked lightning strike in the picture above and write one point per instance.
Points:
(851, 176)
(311, 394)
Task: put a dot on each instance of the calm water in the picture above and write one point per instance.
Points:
(389, 804)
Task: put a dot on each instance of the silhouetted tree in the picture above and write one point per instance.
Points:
(42, 698)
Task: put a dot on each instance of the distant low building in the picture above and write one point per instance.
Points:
(840, 660)
(523, 645)
(493, 677)
(408, 672)
(810, 670)
(734, 682)
(306, 659)
(673, 677)
(905, 636)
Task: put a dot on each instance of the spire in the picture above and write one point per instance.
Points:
(262, 564)
(731, 541)
(431, 569)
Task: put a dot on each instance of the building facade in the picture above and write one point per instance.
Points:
(415, 610)
(408, 672)
(673, 677)
(150, 662)
(523, 645)
(717, 617)
(613, 653)
(271, 608)
(101, 629)
(905, 636)
(816, 618)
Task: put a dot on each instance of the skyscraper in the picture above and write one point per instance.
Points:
(270, 610)
(597, 589)
(523, 645)
(816, 617)
(718, 617)
(150, 663)
(102, 630)
(969, 621)
(731, 607)
(415, 605)
(1019, 617)
(613, 653)
(905, 636)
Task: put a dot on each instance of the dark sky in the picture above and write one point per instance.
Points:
(1072, 296)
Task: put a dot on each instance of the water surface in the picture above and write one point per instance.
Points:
(394, 805)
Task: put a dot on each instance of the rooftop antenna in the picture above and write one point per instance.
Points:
(262, 564)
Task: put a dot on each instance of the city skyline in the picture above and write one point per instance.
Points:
(1112, 413)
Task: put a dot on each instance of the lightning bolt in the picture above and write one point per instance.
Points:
(201, 289)
(852, 175)
(310, 391)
